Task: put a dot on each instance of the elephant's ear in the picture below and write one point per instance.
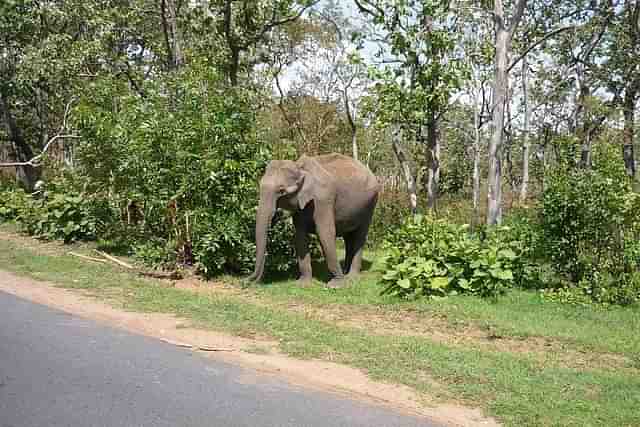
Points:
(307, 191)
(315, 181)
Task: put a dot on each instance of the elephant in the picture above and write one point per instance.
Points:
(329, 195)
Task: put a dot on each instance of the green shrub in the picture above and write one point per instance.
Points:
(12, 202)
(62, 217)
(392, 208)
(189, 155)
(428, 257)
(155, 252)
(589, 222)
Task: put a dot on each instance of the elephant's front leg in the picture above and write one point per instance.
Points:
(326, 229)
(302, 250)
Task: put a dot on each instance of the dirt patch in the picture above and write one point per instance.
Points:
(314, 374)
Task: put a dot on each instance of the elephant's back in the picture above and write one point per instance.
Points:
(348, 171)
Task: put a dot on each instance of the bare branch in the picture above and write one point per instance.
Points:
(275, 23)
(372, 10)
(538, 43)
(35, 161)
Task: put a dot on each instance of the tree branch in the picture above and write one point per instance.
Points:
(537, 43)
(375, 12)
(517, 16)
(275, 23)
(35, 161)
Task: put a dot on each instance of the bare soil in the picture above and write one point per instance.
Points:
(259, 354)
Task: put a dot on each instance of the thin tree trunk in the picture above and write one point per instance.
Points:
(494, 196)
(476, 162)
(352, 124)
(504, 33)
(354, 145)
(26, 175)
(525, 136)
(406, 169)
(433, 160)
(629, 124)
(172, 35)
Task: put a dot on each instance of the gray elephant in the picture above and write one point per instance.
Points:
(331, 196)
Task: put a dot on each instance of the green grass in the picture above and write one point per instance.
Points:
(518, 389)
(518, 314)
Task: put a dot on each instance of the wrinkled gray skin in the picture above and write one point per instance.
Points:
(331, 196)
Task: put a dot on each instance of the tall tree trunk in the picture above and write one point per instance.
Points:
(433, 163)
(476, 161)
(504, 33)
(406, 170)
(352, 123)
(233, 64)
(629, 108)
(172, 35)
(26, 175)
(354, 144)
(494, 196)
(525, 136)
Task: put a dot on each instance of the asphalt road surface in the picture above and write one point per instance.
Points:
(60, 370)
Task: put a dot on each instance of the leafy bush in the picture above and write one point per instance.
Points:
(189, 155)
(428, 257)
(229, 246)
(12, 202)
(62, 217)
(391, 208)
(590, 228)
(156, 252)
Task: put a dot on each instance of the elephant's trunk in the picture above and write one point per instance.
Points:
(266, 210)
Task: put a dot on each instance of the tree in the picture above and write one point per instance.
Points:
(45, 48)
(504, 34)
(419, 71)
(242, 27)
(623, 71)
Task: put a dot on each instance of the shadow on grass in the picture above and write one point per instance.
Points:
(320, 272)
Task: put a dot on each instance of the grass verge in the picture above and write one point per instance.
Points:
(513, 386)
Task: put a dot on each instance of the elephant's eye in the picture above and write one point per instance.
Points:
(282, 190)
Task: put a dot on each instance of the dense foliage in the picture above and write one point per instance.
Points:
(150, 124)
(55, 216)
(589, 221)
(428, 257)
(188, 157)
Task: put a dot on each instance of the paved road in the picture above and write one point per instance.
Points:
(60, 370)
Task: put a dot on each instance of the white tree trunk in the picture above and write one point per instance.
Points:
(504, 33)
(525, 142)
(494, 197)
(476, 159)
(406, 169)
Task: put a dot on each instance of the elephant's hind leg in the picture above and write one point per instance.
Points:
(354, 245)
(302, 252)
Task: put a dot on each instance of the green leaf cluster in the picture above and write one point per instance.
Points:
(590, 226)
(189, 155)
(433, 258)
(55, 216)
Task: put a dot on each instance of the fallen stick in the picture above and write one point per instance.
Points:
(116, 260)
(88, 258)
(195, 347)
(206, 348)
(171, 275)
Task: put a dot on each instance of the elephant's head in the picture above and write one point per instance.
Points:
(285, 184)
